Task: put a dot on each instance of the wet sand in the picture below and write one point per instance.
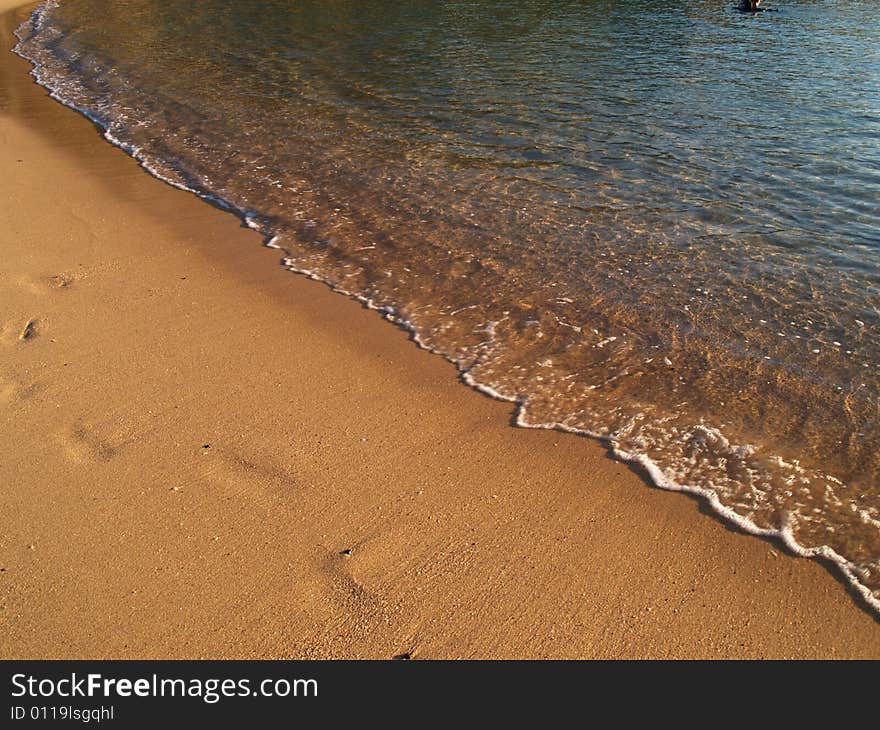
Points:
(205, 455)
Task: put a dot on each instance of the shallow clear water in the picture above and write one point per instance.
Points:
(656, 223)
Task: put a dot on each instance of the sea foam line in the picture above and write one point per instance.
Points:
(250, 218)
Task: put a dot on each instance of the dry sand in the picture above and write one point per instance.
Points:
(192, 436)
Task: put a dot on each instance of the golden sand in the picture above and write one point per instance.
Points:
(204, 455)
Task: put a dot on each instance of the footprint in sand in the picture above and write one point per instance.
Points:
(13, 388)
(46, 283)
(83, 444)
(243, 476)
(60, 281)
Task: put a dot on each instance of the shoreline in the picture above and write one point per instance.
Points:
(328, 431)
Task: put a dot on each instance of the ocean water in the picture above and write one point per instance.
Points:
(654, 223)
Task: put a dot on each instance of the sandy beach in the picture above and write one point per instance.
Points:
(207, 456)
